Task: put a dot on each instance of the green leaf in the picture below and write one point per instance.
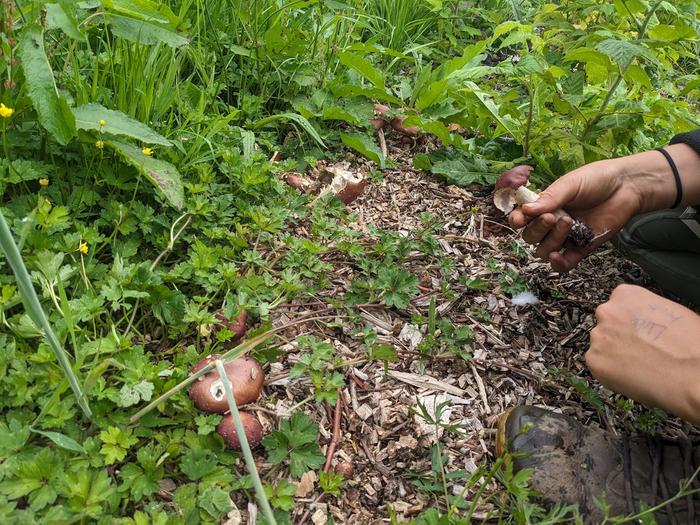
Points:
(88, 117)
(364, 145)
(622, 52)
(130, 395)
(296, 440)
(54, 113)
(363, 67)
(162, 175)
(143, 32)
(62, 440)
(672, 33)
(302, 121)
(461, 172)
(146, 10)
(57, 18)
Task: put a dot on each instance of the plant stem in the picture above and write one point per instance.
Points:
(245, 446)
(35, 310)
(621, 76)
(528, 128)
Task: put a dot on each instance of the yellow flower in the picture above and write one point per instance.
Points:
(101, 122)
(83, 248)
(5, 112)
(43, 182)
(147, 151)
(99, 144)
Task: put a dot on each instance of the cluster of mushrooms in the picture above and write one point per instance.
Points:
(246, 377)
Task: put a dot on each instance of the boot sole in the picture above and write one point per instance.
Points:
(501, 441)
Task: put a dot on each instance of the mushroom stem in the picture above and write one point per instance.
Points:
(524, 195)
(245, 446)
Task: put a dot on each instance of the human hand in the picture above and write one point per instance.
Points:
(647, 348)
(595, 194)
(605, 195)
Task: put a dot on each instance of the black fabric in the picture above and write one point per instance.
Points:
(691, 138)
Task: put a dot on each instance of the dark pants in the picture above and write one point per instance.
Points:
(667, 249)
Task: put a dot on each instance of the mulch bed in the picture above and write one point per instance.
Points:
(514, 350)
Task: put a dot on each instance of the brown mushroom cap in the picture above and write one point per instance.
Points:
(237, 325)
(253, 430)
(514, 177)
(398, 125)
(245, 375)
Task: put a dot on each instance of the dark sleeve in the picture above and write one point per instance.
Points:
(691, 138)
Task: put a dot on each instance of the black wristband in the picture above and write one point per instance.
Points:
(676, 176)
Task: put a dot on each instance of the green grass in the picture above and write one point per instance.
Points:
(130, 255)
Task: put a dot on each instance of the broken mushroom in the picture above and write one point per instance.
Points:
(344, 184)
(245, 375)
(252, 427)
(511, 190)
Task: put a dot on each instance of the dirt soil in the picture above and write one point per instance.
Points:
(381, 434)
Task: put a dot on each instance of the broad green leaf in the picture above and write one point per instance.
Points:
(54, 113)
(460, 172)
(57, 18)
(62, 440)
(434, 92)
(145, 10)
(622, 52)
(143, 32)
(638, 75)
(587, 56)
(88, 117)
(363, 67)
(671, 33)
(364, 145)
(506, 122)
(162, 175)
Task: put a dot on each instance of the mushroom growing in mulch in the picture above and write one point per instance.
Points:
(252, 427)
(511, 190)
(237, 325)
(245, 375)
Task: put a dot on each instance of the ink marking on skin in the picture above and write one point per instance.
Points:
(649, 328)
(673, 316)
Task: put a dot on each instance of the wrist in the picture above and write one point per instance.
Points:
(650, 177)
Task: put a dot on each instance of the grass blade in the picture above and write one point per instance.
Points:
(245, 446)
(35, 311)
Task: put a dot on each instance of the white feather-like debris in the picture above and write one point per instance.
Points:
(526, 297)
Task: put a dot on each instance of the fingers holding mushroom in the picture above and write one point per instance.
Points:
(511, 190)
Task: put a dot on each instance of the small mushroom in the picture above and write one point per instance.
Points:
(245, 375)
(237, 325)
(511, 191)
(398, 124)
(379, 120)
(252, 427)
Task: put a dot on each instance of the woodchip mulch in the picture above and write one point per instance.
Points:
(515, 349)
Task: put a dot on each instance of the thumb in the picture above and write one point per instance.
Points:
(555, 197)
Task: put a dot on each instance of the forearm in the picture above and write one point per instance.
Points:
(650, 174)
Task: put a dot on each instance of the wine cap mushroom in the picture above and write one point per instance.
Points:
(237, 325)
(252, 427)
(245, 375)
(511, 190)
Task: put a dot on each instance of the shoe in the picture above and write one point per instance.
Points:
(575, 464)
